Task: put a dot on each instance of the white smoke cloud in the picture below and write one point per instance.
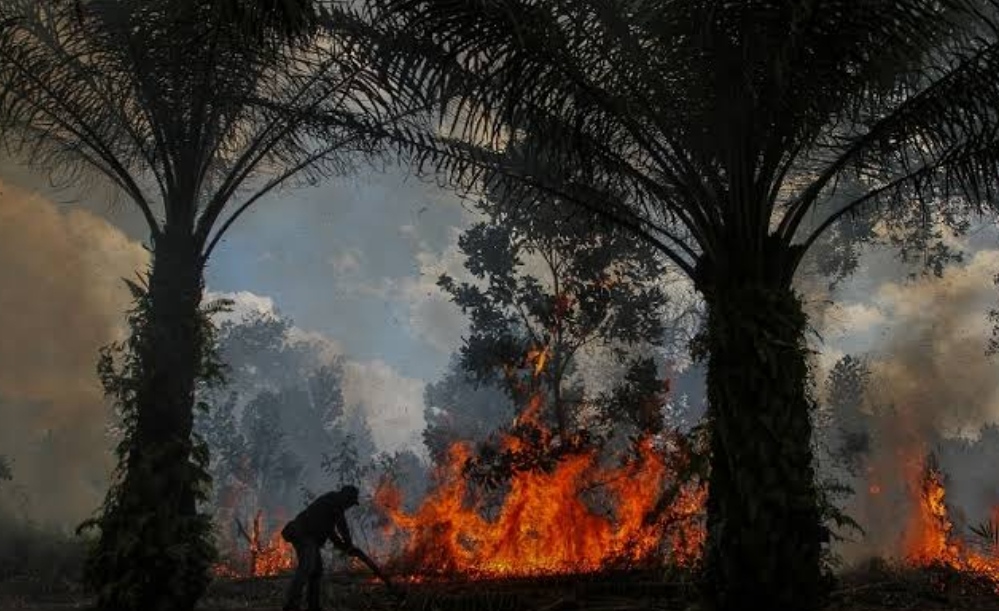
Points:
(427, 311)
(244, 303)
(392, 403)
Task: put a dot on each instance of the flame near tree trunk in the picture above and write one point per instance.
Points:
(544, 526)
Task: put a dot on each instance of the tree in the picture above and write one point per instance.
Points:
(460, 409)
(289, 401)
(727, 133)
(547, 287)
(272, 463)
(846, 387)
(193, 110)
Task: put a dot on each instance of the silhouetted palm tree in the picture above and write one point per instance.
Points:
(739, 131)
(193, 110)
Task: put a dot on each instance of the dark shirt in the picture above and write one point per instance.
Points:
(324, 519)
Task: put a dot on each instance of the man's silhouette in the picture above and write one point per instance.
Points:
(323, 519)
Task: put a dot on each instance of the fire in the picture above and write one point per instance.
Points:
(577, 515)
(929, 537)
(268, 555)
(544, 525)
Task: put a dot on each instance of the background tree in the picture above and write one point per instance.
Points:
(846, 388)
(731, 130)
(192, 110)
(458, 408)
(547, 288)
(278, 425)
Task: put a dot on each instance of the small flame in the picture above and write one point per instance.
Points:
(930, 539)
(268, 555)
(538, 356)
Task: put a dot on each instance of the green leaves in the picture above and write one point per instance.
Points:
(140, 540)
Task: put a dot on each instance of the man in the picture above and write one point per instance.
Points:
(323, 519)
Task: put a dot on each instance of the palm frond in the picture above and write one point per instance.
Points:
(733, 121)
(177, 104)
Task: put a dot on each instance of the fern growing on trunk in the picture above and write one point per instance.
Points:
(178, 549)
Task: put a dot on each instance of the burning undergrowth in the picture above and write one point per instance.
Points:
(573, 514)
(267, 553)
(931, 540)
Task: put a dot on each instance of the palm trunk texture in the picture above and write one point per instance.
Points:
(165, 564)
(763, 547)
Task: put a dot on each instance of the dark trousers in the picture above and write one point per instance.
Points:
(308, 572)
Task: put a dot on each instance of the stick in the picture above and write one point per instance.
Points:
(360, 555)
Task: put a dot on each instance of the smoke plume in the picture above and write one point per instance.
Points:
(61, 299)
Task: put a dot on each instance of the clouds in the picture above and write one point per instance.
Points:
(61, 299)
(244, 303)
(347, 261)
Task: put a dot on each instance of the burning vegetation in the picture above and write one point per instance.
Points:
(568, 514)
(267, 554)
(930, 539)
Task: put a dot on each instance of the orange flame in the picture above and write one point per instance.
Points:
(267, 555)
(929, 538)
(544, 526)
(928, 535)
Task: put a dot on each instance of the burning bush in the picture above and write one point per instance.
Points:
(575, 516)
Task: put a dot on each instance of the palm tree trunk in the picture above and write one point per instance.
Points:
(763, 521)
(156, 505)
(166, 396)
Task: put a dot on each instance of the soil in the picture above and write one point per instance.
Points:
(877, 587)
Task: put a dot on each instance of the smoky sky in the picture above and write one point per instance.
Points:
(355, 260)
(63, 254)
(61, 299)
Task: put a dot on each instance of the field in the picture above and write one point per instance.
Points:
(874, 587)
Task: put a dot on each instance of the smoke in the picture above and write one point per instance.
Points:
(391, 403)
(932, 388)
(61, 299)
(937, 366)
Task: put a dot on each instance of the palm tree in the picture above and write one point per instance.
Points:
(739, 132)
(193, 110)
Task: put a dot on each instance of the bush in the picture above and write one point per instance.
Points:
(37, 559)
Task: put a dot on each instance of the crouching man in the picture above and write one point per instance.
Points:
(323, 519)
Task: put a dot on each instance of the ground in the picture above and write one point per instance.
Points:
(877, 587)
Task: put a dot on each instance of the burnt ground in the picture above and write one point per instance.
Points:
(873, 588)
